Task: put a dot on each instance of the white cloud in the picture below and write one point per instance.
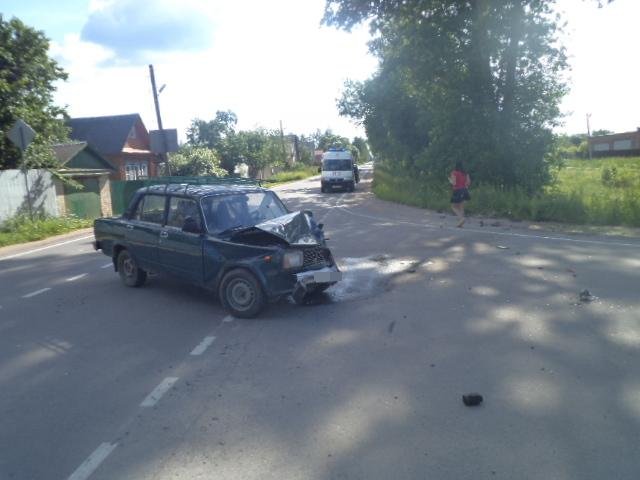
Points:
(276, 63)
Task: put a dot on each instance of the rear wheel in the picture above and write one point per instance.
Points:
(130, 273)
(241, 294)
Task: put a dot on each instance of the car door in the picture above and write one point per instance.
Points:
(180, 252)
(143, 229)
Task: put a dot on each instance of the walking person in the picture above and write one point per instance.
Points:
(460, 181)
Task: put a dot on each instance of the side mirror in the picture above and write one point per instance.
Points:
(191, 225)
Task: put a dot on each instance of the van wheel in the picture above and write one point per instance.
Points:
(130, 273)
(241, 294)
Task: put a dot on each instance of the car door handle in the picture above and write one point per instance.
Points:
(164, 234)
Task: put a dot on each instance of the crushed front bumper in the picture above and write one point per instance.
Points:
(308, 281)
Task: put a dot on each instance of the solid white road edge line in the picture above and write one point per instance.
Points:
(158, 392)
(45, 248)
(490, 232)
(107, 265)
(199, 350)
(85, 470)
(77, 277)
(37, 292)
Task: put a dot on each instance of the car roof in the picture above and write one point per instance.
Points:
(199, 191)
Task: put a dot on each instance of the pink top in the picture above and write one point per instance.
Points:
(461, 180)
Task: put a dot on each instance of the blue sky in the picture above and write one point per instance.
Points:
(272, 61)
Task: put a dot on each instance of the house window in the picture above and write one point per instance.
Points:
(622, 145)
(136, 171)
(601, 147)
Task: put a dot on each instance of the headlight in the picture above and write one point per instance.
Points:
(293, 259)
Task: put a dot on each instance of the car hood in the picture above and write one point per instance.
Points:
(295, 228)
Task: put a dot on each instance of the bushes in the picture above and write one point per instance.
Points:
(21, 228)
(298, 173)
(582, 194)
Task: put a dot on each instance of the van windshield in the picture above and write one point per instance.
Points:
(336, 165)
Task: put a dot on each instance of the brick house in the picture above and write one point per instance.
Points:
(616, 144)
(122, 140)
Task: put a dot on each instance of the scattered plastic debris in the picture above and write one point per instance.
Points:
(586, 297)
(472, 399)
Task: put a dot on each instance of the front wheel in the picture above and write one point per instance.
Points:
(130, 273)
(241, 294)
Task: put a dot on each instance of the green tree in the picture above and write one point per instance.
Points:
(192, 161)
(477, 81)
(217, 134)
(27, 78)
(360, 144)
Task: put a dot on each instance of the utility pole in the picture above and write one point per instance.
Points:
(589, 136)
(159, 118)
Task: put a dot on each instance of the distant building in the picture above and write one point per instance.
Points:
(616, 144)
(122, 140)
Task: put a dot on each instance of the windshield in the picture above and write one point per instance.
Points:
(225, 212)
(336, 165)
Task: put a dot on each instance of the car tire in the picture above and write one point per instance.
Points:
(130, 273)
(241, 294)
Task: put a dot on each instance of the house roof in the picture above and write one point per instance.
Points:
(65, 152)
(106, 134)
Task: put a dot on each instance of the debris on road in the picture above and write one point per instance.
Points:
(482, 223)
(496, 224)
(391, 326)
(586, 297)
(472, 399)
(502, 247)
(572, 272)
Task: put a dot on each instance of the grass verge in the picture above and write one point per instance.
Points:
(602, 192)
(299, 173)
(22, 229)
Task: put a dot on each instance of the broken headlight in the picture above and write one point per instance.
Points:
(293, 259)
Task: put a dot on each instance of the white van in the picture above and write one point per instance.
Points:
(338, 171)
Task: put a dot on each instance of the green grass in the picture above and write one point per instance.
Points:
(22, 229)
(299, 173)
(599, 192)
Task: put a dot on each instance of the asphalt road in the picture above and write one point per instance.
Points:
(104, 382)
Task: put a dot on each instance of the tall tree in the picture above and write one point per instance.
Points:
(27, 84)
(478, 81)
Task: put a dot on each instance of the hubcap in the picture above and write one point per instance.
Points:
(128, 267)
(241, 294)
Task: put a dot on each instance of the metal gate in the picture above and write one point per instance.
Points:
(84, 203)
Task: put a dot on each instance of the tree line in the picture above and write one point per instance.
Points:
(475, 81)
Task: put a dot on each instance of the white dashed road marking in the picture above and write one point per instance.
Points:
(37, 292)
(158, 392)
(77, 277)
(199, 350)
(95, 459)
(107, 265)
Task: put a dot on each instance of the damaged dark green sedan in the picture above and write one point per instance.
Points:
(239, 241)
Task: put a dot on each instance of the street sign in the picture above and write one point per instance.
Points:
(158, 143)
(21, 134)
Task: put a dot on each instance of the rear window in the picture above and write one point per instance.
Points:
(151, 209)
(335, 165)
